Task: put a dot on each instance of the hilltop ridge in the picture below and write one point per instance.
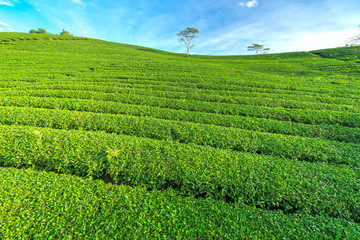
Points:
(342, 53)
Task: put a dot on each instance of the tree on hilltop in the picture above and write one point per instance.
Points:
(40, 30)
(257, 48)
(66, 33)
(186, 36)
(266, 50)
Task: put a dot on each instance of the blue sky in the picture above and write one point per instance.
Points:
(226, 27)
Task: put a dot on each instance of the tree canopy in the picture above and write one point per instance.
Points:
(258, 48)
(186, 36)
(64, 32)
(40, 30)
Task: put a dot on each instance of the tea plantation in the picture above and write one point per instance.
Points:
(102, 140)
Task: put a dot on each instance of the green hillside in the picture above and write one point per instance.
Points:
(341, 53)
(101, 140)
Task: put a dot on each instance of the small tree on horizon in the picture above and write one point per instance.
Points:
(186, 36)
(40, 30)
(266, 50)
(257, 48)
(66, 33)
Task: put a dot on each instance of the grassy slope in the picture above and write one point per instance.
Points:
(341, 53)
(258, 146)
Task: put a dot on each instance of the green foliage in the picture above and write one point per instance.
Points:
(256, 180)
(232, 147)
(67, 207)
(345, 53)
(307, 116)
(330, 132)
(298, 148)
(66, 33)
(258, 48)
(40, 30)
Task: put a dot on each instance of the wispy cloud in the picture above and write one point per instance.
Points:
(7, 27)
(249, 4)
(79, 2)
(6, 3)
(306, 41)
(231, 40)
(4, 24)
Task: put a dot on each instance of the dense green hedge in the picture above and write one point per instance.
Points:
(291, 147)
(114, 83)
(178, 93)
(329, 132)
(39, 205)
(343, 53)
(257, 180)
(295, 115)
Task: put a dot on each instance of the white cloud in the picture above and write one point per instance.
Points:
(306, 41)
(249, 4)
(4, 24)
(231, 40)
(79, 2)
(7, 27)
(6, 3)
